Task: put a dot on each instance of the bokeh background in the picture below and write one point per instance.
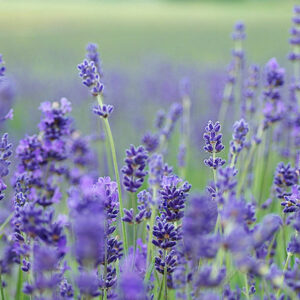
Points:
(146, 48)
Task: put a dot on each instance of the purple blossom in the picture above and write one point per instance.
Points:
(133, 171)
(2, 67)
(103, 111)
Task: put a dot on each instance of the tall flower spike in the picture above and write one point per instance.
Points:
(294, 55)
(93, 55)
(5, 153)
(240, 130)
(134, 170)
(274, 107)
(213, 144)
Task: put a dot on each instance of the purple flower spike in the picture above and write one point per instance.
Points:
(90, 71)
(103, 111)
(213, 138)
(133, 171)
(2, 68)
(165, 234)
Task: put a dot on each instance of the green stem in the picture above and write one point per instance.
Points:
(246, 286)
(19, 284)
(116, 170)
(7, 220)
(289, 255)
(152, 220)
(1, 288)
(165, 278)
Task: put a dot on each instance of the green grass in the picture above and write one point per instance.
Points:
(50, 37)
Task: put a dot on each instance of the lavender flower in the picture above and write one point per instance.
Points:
(133, 171)
(90, 77)
(213, 144)
(93, 55)
(274, 107)
(5, 154)
(103, 111)
(151, 142)
(240, 130)
(2, 67)
(285, 177)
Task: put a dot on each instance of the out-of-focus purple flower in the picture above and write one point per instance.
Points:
(250, 92)
(295, 36)
(173, 115)
(291, 202)
(285, 177)
(93, 55)
(47, 275)
(131, 286)
(266, 229)
(294, 245)
(181, 158)
(103, 111)
(133, 171)
(66, 290)
(88, 284)
(240, 130)
(292, 277)
(151, 141)
(200, 218)
(5, 154)
(157, 169)
(160, 119)
(226, 184)
(206, 279)
(2, 67)
(274, 107)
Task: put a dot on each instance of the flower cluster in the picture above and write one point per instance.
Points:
(213, 144)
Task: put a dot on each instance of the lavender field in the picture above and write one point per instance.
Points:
(150, 150)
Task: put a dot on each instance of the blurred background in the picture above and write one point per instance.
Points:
(146, 48)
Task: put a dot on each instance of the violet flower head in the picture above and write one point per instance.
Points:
(90, 77)
(134, 170)
(284, 178)
(213, 138)
(92, 54)
(169, 261)
(150, 141)
(174, 196)
(165, 235)
(2, 67)
(160, 119)
(274, 74)
(103, 111)
(54, 122)
(239, 33)
(88, 284)
(291, 202)
(250, 90)
(295, 36)
(173, 115)
(201, 216)
(240, 130)
(131, 286)
(5, 154)
(213, 144)
(225, 185)
(206, 279)
(238, 36)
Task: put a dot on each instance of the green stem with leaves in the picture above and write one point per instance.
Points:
(116, 171)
